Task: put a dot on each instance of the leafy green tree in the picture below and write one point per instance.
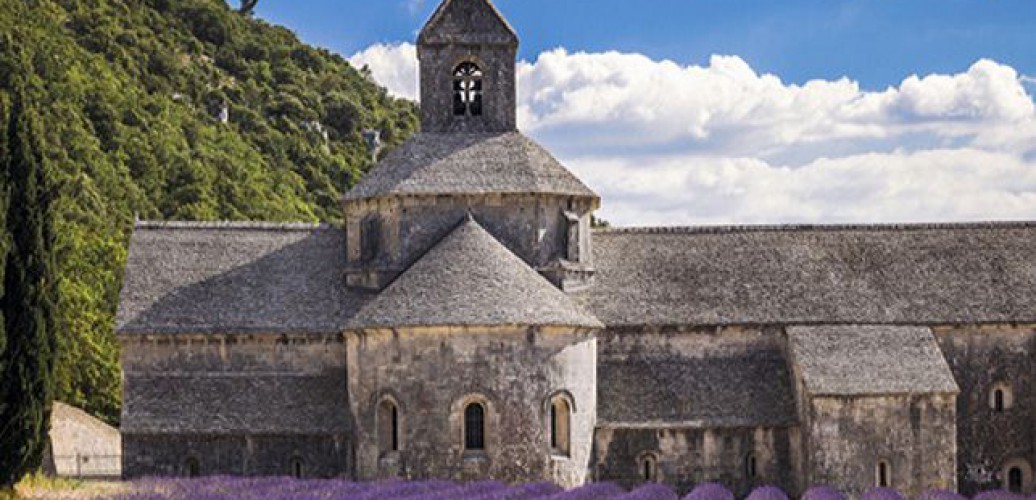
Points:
(126, 95)
(28, 305)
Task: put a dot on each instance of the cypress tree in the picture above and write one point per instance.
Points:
(28, 303)
(3, 226)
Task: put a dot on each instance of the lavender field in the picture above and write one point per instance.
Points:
(226, 488)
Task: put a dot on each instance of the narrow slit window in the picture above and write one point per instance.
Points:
(474, 427)
(193, 468)
(467, 90)
(388, 426)
(297, 468)
(884, 473)
(649, 468)
(751, 470)
(1001, 397)
(560, 422)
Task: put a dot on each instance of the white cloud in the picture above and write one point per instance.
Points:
(669, 144)
(393, 65)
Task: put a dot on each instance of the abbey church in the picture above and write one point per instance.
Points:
(466, 322)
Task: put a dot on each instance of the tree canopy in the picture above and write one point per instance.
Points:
(175, 110)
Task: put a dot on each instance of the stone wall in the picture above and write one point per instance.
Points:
(702, 401)
(81, 445)
(846, 438)
(499, 94)
(320, 456)
(431, 374)
(688, 456)
(989, 441)
(236, 404)
(534, 227)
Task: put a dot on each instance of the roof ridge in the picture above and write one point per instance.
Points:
(234, 225)
(750, 228)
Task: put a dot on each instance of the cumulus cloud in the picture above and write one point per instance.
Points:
(394, 66)
(668, 144)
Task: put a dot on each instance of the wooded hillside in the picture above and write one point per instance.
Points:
(179, 110)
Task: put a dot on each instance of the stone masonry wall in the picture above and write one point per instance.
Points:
(691, 456)
(321, 456)
(533, 227)
(233, 403)
(701, 401)
(499, 94)
(433, 373)
(847, 437)
(989, 441)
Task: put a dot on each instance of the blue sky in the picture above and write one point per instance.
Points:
(690, 112)
(876, 42)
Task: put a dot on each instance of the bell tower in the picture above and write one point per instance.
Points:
(467, 55)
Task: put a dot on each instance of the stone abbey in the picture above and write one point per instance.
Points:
(467, 322)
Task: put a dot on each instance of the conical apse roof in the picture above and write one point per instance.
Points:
(471, 279)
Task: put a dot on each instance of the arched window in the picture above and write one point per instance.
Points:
(298, 469)
(1015, 480)
(388, 426)
(474, 427)
(751, 469)
(467, 90)
(370, 237)
(883, 475)
(1001, 397)
(192, 467)
(560, 425)
(648, 464)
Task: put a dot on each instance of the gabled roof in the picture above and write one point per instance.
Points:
(431, 164)
(748, 387)
(869, 360)
(908, 274)
(235, 278)
(471, 279)
(467, 22)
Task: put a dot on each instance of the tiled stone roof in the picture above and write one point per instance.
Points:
(749, 388)
(245, 403)
(235, 278)
(430, 164)
(869, 360)
(471, 279)
(920, 274)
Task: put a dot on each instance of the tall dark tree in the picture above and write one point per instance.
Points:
(3, 224)
(28, 304)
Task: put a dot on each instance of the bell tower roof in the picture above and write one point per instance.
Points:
(467, 22)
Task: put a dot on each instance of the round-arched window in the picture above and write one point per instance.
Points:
(474, 427)
(467, 89)
(560, 425)
(1001, 397)
(648, 465)
(388, 426)
(883, 475)
(192, 467)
